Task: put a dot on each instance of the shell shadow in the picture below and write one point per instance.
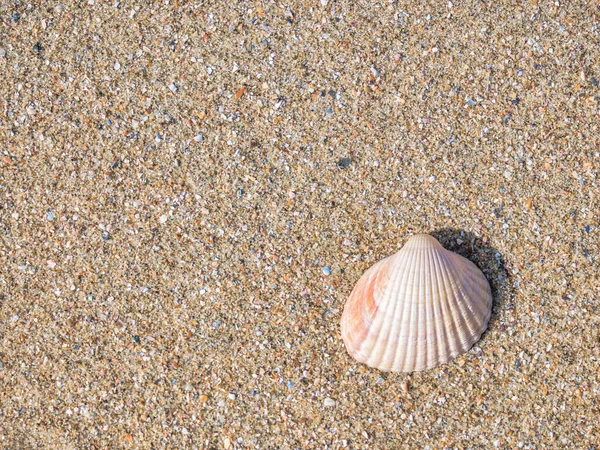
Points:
(489, 260)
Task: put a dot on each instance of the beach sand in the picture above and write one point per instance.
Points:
(190, 190)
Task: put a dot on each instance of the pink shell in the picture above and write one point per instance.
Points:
(417, 309)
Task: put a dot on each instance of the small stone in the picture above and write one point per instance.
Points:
(226, 443)
(203, 398)
(117, 65)
(198, 138)
(405, 386)
(15, 215)
(163, 218)
(2, 53)
(173, 87)
(326, 270)
(50, 215)
(231, 396)
(51, 264)
(329, 402)
(344, 162)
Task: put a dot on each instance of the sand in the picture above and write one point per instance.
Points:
(190, 190)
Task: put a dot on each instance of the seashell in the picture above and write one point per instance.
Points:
(416, 309)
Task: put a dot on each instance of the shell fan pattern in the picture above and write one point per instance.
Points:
(416, 309)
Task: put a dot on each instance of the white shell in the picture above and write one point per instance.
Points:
(416, 309)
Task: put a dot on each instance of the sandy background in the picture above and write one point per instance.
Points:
(175, 176)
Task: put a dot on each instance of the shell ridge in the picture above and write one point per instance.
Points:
(388, 353)
(458, 320)
(366, 346)
(468, 307)
(409, 345)
(356, 310)
(372, 355)
(431, 341)
(440, 325)
(400, 320)
(475, 283)
(347, 330)
(470, 292)
(418, 310)
(449, 313)
(485, 298)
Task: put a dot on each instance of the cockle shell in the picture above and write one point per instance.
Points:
(416, 309)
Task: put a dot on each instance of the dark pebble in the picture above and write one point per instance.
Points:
(136, 339)
(594, 82)
(15, 17)
(344, 162)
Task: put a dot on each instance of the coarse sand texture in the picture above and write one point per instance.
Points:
(191, 189)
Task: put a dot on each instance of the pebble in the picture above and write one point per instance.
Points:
(198, 138)
(344, 162)
(117, 65)
(326, 270)
(329, 402)
(163, 218)
(173, 87)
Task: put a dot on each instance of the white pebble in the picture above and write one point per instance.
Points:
(329, 402)
(117, 65)
(163, 218)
